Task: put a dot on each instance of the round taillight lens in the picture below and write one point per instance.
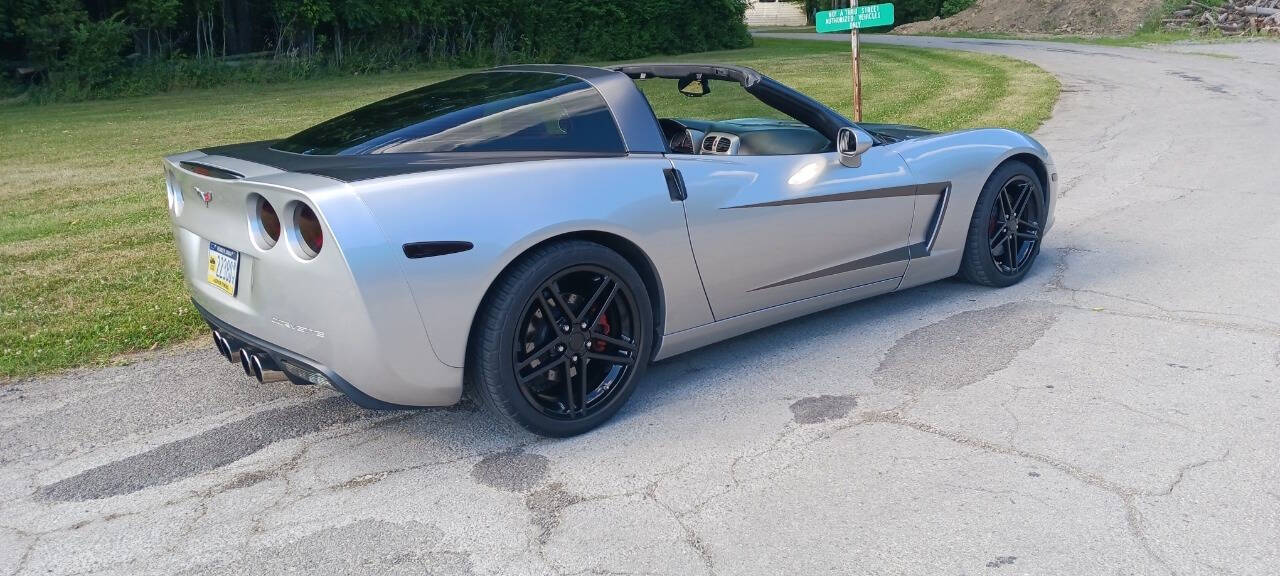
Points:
(269, 220)
(308, 229)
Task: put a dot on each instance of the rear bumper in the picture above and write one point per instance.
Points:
(280, 357)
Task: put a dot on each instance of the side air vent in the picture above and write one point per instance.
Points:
(709, 143)
(723, 145)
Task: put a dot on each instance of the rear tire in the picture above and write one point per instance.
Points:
(1006, 229)
(532, 363)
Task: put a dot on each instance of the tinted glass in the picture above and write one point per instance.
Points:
(486, 112)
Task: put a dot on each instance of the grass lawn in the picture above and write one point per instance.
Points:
(88, 270)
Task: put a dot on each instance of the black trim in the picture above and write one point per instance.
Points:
(210, 170)
(890, 192)
(365, 167)
(415, 250)
(675, 185)
(279, 354)
(889, 257)
(940, 212)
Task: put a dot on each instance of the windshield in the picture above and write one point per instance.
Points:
(726, 101)
(484, 112)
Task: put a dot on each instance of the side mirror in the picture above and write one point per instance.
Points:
(694, 86)
(852, 144)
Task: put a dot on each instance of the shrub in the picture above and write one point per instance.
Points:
(952, 7)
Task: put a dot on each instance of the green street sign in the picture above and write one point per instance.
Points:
(849, 18)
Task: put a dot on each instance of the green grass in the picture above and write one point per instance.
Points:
(88, 270)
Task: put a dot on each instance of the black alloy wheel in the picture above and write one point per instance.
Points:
(577, 342)
(560, 339)
(1007, 227)
(1013, 229)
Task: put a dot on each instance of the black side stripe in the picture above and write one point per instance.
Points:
(417, 250)
(889, 192)
(889, 257)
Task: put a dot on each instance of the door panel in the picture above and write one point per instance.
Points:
(767, 230)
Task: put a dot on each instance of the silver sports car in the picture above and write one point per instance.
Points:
(536, 235)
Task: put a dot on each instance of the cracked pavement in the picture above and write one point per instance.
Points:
(1115, 413)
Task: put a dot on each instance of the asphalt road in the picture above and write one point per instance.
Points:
(1116, 413)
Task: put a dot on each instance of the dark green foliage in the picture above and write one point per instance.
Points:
(101, 48)
(952, 7)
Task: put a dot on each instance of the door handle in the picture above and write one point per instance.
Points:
(675, 185)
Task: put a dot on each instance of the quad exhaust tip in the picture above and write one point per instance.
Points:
(263, 370)
(225, 347)
(246, 362)
(221, 344)
(255, 365)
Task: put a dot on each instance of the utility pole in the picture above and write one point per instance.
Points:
(857, 65)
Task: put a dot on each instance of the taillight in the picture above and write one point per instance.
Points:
(309, 232)
(264, 221)
(270, 220)
(174, 193)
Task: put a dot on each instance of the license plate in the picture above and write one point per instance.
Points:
(224, 267)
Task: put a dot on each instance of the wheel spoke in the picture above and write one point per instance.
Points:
(604, 306)
(582, 383)
(540, 371)
(622, 360)
(568, 387)
(605, 282)
(538, 354)
(623, 344)
(560, 301)
(1030, 225)
(1006, 207)
(999, 237)
(1023, 200)
(1012, 250)
(547, 314)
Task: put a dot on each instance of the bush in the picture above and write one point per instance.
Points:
(93, 57)
(952, 7)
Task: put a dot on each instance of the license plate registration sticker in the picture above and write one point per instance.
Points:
(224, 266)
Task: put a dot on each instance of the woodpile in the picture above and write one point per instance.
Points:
(1232, 17)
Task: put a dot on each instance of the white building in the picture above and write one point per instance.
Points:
(761, 13)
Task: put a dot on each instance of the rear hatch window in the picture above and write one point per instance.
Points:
(492, 111)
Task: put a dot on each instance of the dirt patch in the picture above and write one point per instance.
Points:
(963, 349)
(1085, 17)
(513, 470)
(546, 505)
(816, 409)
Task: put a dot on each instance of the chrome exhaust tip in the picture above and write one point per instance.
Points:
(232, 348)
(246, 362)
(263, 370)
(221, 344)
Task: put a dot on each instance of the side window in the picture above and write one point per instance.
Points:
(485, 112)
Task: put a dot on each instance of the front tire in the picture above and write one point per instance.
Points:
(561, 340)
(1006, 228)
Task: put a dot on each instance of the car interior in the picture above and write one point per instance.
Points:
(717, 114)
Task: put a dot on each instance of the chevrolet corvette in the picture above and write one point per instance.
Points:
(535, 235)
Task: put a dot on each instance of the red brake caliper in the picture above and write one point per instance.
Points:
(604, 328)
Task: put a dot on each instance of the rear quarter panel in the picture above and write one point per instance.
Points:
(506, 209)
